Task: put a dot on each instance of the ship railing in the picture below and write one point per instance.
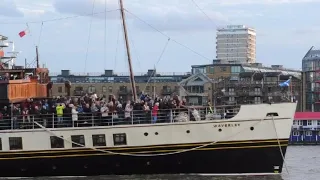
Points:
(135, 117)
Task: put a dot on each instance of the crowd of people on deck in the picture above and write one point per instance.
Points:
(88, 109)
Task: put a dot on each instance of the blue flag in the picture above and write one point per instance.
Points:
(285, 84)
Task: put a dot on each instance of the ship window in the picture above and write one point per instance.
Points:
(15, 143)
(99, 140)
(119, 139)
(57, 142)
(308, 133)
(295, 133)
(79, 139)
(272, 114)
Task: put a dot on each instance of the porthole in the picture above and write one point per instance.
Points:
(251, 128)
(188, 131)
(146, 134)
(156, 133)
(220, 130)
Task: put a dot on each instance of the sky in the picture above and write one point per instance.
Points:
(170, 35)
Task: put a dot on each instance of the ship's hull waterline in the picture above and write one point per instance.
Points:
(252, 142)
(260, 156)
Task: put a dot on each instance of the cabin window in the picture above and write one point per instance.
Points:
(295, 133)
(15, 143)
(272, 114)
(59, 89)
(0, 144)
(120, 139)
(99, 140)
(79, 139)
(309, 122)
(57, 142)
(308, 133)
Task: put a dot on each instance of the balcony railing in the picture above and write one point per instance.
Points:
(113, 119)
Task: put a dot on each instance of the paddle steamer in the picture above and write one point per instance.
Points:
(253, 140)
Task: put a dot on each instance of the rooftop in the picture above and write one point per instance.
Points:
(312, 54)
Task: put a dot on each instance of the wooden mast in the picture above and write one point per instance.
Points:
(133, 86)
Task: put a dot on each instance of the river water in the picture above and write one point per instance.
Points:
(302, 162)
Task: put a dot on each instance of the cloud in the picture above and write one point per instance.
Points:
(262, 2)
(8, 8)
(82, 7)
(164, 15)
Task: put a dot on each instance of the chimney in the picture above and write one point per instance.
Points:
(65, 72)
(108, 72)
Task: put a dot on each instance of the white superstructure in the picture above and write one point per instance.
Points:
(236, 43)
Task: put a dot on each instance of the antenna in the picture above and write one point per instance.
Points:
(13, 57)
(37, 56)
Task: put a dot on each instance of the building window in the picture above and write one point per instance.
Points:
(79, 139)
(56, 142)
(300, 123)
(295, 133)
(309, 122)
(295, 122)
(91, 89)
(308, 133)
(211, 70)
(0, 144)
(318, 122)
(110, 89)
(147, 88)
(104, 89)
(235, 69)
(119, 139)
(99, 140)
(199, 70)
(15, 143)
(223, 69)
(59, 89)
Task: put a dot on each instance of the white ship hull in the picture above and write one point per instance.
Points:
(251, 142)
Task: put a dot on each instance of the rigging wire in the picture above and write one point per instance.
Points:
(89, 37)
(30, 34)
(151, 154)
(105, 34)
(40, 34)
(210, 19)
(195, 52)
(134, 49)
(202, 11)
(59, 19)
(154, 71)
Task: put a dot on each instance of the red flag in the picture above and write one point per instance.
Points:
(22, 33)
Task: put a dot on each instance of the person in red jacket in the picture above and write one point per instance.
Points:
(155, 110)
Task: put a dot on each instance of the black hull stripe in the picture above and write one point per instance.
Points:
(137, 148)
(155, 152)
